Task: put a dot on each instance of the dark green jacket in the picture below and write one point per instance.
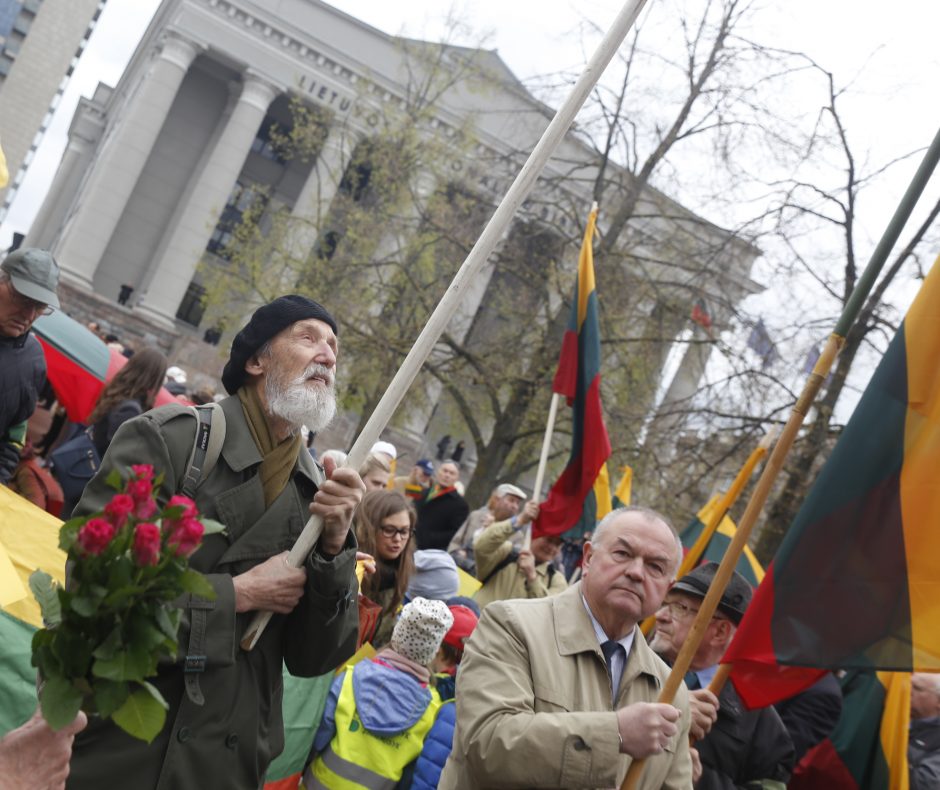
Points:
(228, 741)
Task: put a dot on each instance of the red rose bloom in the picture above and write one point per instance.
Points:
(146, 544)
(144, 509)
(185, 536)
(95, 535)
(142, 471)
(140, 489)
(189, 507)
(118, 509)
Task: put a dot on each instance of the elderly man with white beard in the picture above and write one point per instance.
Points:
(224, 724)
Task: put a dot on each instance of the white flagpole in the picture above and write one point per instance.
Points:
(446, 308)
(543, 462)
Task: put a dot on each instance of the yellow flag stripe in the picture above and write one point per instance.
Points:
(586, 268)
(30, 537)
(920, 485)
(895, 725)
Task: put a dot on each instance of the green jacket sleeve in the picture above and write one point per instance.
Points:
(323, 629)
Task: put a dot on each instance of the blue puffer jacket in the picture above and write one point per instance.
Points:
(436, 749)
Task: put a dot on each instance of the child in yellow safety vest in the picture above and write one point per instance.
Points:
(378, 712)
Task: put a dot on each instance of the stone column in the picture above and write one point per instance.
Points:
(123, 155)
(193, 223)
(318, 191)
(84, 134)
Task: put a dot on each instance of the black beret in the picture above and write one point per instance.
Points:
(737, 594)
(266, 322)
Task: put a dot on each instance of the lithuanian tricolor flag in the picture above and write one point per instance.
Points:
(856, 582)
(748, 565)
(578, 379)
(868, 748)
(29, 539)
(623, 494)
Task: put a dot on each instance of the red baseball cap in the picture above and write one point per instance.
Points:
(464, 623)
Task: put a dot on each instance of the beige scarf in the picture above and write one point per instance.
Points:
(404, 664)
(278, 460)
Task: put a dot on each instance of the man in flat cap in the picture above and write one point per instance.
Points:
(224, 724)
(742, 748)
(504, 504)
(28, 282)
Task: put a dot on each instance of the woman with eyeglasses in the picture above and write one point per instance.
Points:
(384, 524)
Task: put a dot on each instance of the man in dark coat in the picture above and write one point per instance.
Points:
(442, 510)
(742, 748)
(224, 724)
(812, 715)
(28, 282)
(923, 749)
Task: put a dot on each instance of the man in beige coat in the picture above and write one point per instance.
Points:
(539, 705)
(509, 571)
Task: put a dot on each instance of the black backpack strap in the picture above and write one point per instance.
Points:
(207, 444)
(509, 559)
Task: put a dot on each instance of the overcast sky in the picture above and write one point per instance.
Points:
(887, 52)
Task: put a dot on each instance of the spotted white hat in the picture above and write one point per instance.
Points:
(420, 629)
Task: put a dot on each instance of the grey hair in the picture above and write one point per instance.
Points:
(650, 515)
(933, 681)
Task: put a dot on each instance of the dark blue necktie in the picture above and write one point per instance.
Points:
(610, 648)
(692, 681)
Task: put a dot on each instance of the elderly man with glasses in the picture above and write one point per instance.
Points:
(28, 282)
(740, 748)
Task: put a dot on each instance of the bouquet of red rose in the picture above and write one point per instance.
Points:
(119, 614)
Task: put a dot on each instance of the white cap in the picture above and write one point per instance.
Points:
(385, 447)
(509, 488)
(177, 374)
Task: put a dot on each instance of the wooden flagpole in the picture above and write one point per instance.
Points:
(823, 365)
(446, 308)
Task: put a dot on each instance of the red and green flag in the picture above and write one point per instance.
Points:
(78, 364)
(578, 378)
(856, 581)
(867, 750)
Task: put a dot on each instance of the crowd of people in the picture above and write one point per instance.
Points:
(542, 679)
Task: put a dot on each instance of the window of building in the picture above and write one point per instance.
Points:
(193, 306)
(8, 13)
(265, 144)
(242, 198)
(327, 244)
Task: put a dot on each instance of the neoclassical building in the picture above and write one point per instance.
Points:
(160, 167)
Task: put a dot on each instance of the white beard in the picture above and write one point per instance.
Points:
(298, 403)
